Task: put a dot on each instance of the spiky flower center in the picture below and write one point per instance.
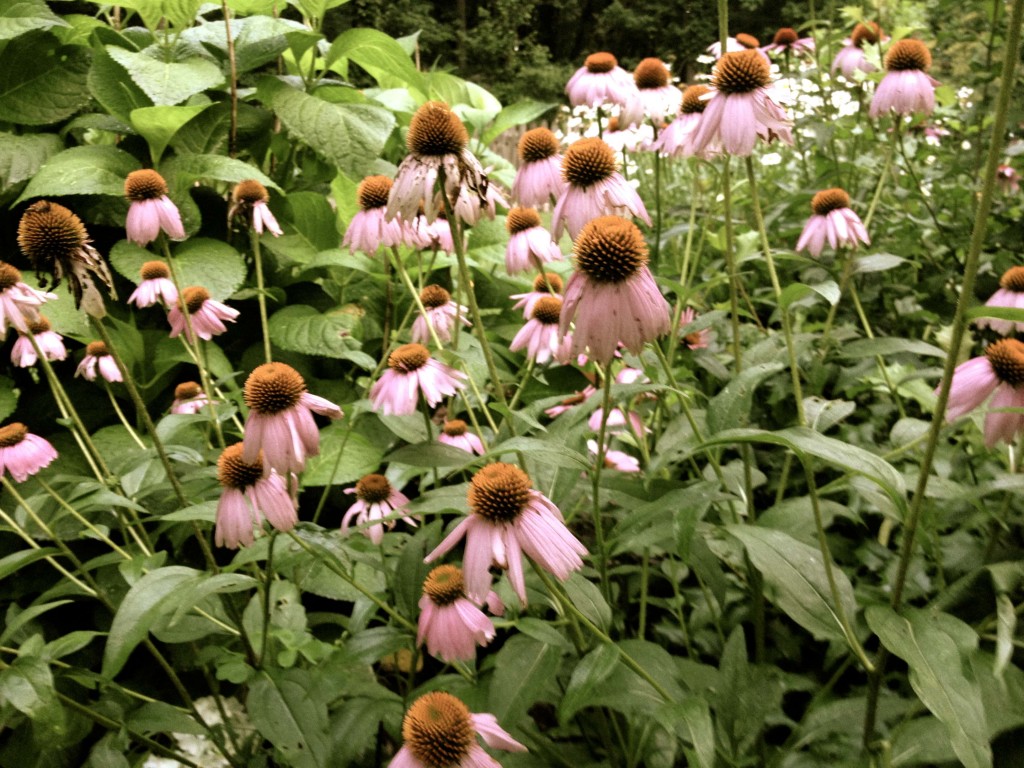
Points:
(741, 72)
(39, 325)
(610, 249)
(373, 489)
(273, 387)
(408, 358)
(692, 101)
(437, 730)
(194, 297)
(49, 232)
(154, 270)
(187, 390)
(748, 41)
(499, 492)
(444, 585)
(96, 349)
(434, 296)
(232, 472)
(651, 73)
(12, 434)
(9, 276)
(146, 184)
(548, 310)
(1007, 359)
(373, 192)
(588, 161)
(521, 219)
(435, 130)
(869, 33)
(785, 36)
(537, 144)
(548, 282)
(600, 62)
(908, 54)
(1013, 279)
(828, 200)
(250, 191)
(455, 428)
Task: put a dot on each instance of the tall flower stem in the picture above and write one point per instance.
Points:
(913, 517)
(261, 293)
(121, 417)
(884, 173)
(595, 482)
(657, 200)
(730, 266)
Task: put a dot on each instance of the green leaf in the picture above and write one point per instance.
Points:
(380, 55)
(554, 454)
(889, 346)
(358, 457)
(15, 561)
(1006, 626)
(1002, 313)
(731, 407)
(112, 86)
(139, 610)
(691, 720)
(876, 262)
(8, 397)
(167, 82)
(351, 136)
(520, 113)
(20, 16)
(258, 40)
(795, 292)
(15, 623)
(587, 679)
(285, 713)
(301, 328)
(587, 598)
(89, 170)
(523, 669)
(213, 264)
(157, 125)
(824, 414)
(27, 685)
(187, 169)
(22, 156)
(935, 646)
(794, 575)
(41, 84)
(430, 455)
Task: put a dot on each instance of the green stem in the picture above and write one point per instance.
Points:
(85, 521)
(730, 264)
(261, 293)
(884, 174)
(121, 416)
(595, 483)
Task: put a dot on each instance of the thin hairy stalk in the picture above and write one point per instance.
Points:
(268, 583)
(261, 293)
(595, 484)
(233, 81)
(121, 417)
(884, 173)
(730, 263)
(866, 324)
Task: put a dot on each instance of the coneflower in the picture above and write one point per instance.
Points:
(151, 210)
(907, 87)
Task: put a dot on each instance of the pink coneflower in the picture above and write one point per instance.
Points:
(539, 178)
(251, 493)
(98, 362)
(508, 518)
(677, 138)
(155, 286)
(529, 244)
(1008, 180)
(456, 433)
(1009, 295)
(833, 221)
(23, 454)
(280, 421)
(442, 314)
(189, 398)
(570, 402)
(545, 284)
(618, 422)
(787, 41)
(906, 87)
(612, 295)
(376, 498)
(1000, 370)
(151, 209)
(656, 98)
(439, 732)
(18, 301)
(740, 108)
(205, 315)
(437, 142)
(369, 228)
(541, 337)
(731, 45)
(595, 188)
(618, 460)
(51, 343)
(600, 81)
(412, 371)
(851, 56)
(250, 198)
(693, 339)
(451, 625)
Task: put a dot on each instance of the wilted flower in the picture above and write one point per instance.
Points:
(906, 87)
(529, 244)
(98, 361)
(600, 81)
(787, 41)
(250, 197)
(677, 138)
(439, 732)
(1009, 295)
(546, 284)
(370, 228)
(612, 295)
(539, 178)
(456, 434)
(441, 314)
(155, 286)
(151, 209)
(595, 189)
(280, 421)
(1000, 370)
(188, 398)
(376, 498)
(205, 315)
(23, 454)
(541, 337)
(251, 493)
(509, 518)
(412, 371)
(449, 622)
(18, 301)
(51, 343)
(833, 221)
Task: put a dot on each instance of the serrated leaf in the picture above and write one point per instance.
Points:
(285, 713)
(730, 408)
(188, 169)
(301, 328)
(41, 84)
(157, 125)
(357, 457)
(351, 136)
(22, 156)
(933, 646)
(520, 113)
(112, 86)
(167, 82)
(380, 55)
(89, 170)
(523, 668)
(213, 264)
(20, 16)
(258, 40)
